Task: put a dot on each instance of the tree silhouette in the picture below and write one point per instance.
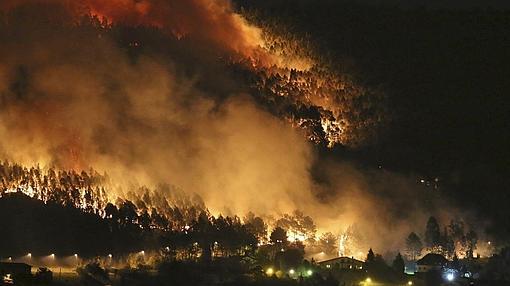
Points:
(398, 264)
(471, 240)
(370, 256)
(432, 233)
(278, 237)
(328, 243)
(413, 246)
(256, 226)
(203, 232)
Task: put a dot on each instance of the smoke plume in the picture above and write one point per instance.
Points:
(212, 22)
(71, 96)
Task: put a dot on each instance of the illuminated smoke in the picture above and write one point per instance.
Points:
(73, 98)
(329, 107)
(210, 21)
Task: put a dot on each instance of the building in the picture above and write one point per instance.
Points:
(343, 263)
(429, 262)
(410, 267)
(15, 268)
(10, 271)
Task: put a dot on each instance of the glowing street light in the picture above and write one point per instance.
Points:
(110, 255)
(269, 271)
(309, 272)
(449, 277)
(52, 256)
(368, 280)
(291, 272)
(410, 283)
(142, 252)
(29, 255)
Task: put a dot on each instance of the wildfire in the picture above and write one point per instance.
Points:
(92, 193)
(285, 72)
(341, 244)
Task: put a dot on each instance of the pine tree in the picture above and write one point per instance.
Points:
(370, 256)
(398, 264)
(414, 246)
(432, 233)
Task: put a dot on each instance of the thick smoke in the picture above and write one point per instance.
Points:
(76, 101)
(73, 98)
(210, 21)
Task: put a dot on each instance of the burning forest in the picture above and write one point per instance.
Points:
(197, 130)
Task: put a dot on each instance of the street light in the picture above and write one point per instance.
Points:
(309, 272)
(269, 271)
(410, 283)
(53, 255)
(449, 277)
(29, 255)
(110, 255)
(368, 280)
(291, 272)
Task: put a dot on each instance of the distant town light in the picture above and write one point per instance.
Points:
(291, 272)
(269, 271)
(142, 252)
(10, 258)
(368, 280)
(309, 272)
(76, 255)
(110, 255)
(29, 255)
(53, 255)
(410, 283)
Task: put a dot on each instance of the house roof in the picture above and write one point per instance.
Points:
(338, 258)
(432, 259)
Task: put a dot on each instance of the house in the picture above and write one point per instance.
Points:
(431, 261)
(15, 268)
(9, 271)
(410, 267)
(342, 263)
